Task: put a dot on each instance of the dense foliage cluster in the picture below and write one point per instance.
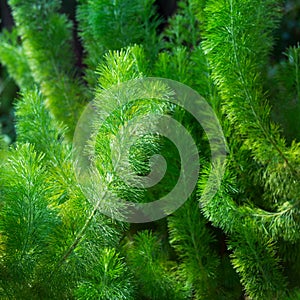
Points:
(244, 242)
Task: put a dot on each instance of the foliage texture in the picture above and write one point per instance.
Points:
(242, 243)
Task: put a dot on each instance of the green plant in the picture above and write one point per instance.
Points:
(55, 244)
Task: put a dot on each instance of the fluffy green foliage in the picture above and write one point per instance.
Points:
(236, 70)
(12, 56)
(109, 280)
(285, 84)
(50, 212)
(28, 221)
(55, 241)
(194, 243)
(112, 25)
(47, 37)
(254, 257)
(237, 42)
(150, 266)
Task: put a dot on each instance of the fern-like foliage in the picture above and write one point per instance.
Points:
(112, 25)
(237, 42)
(236, 70)
(46, 37)
(150, 267)
(285, 84)
(58, 237)
(110, 279)
(60, 231)
(195, 244)
(13, 57)
(28, 222)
